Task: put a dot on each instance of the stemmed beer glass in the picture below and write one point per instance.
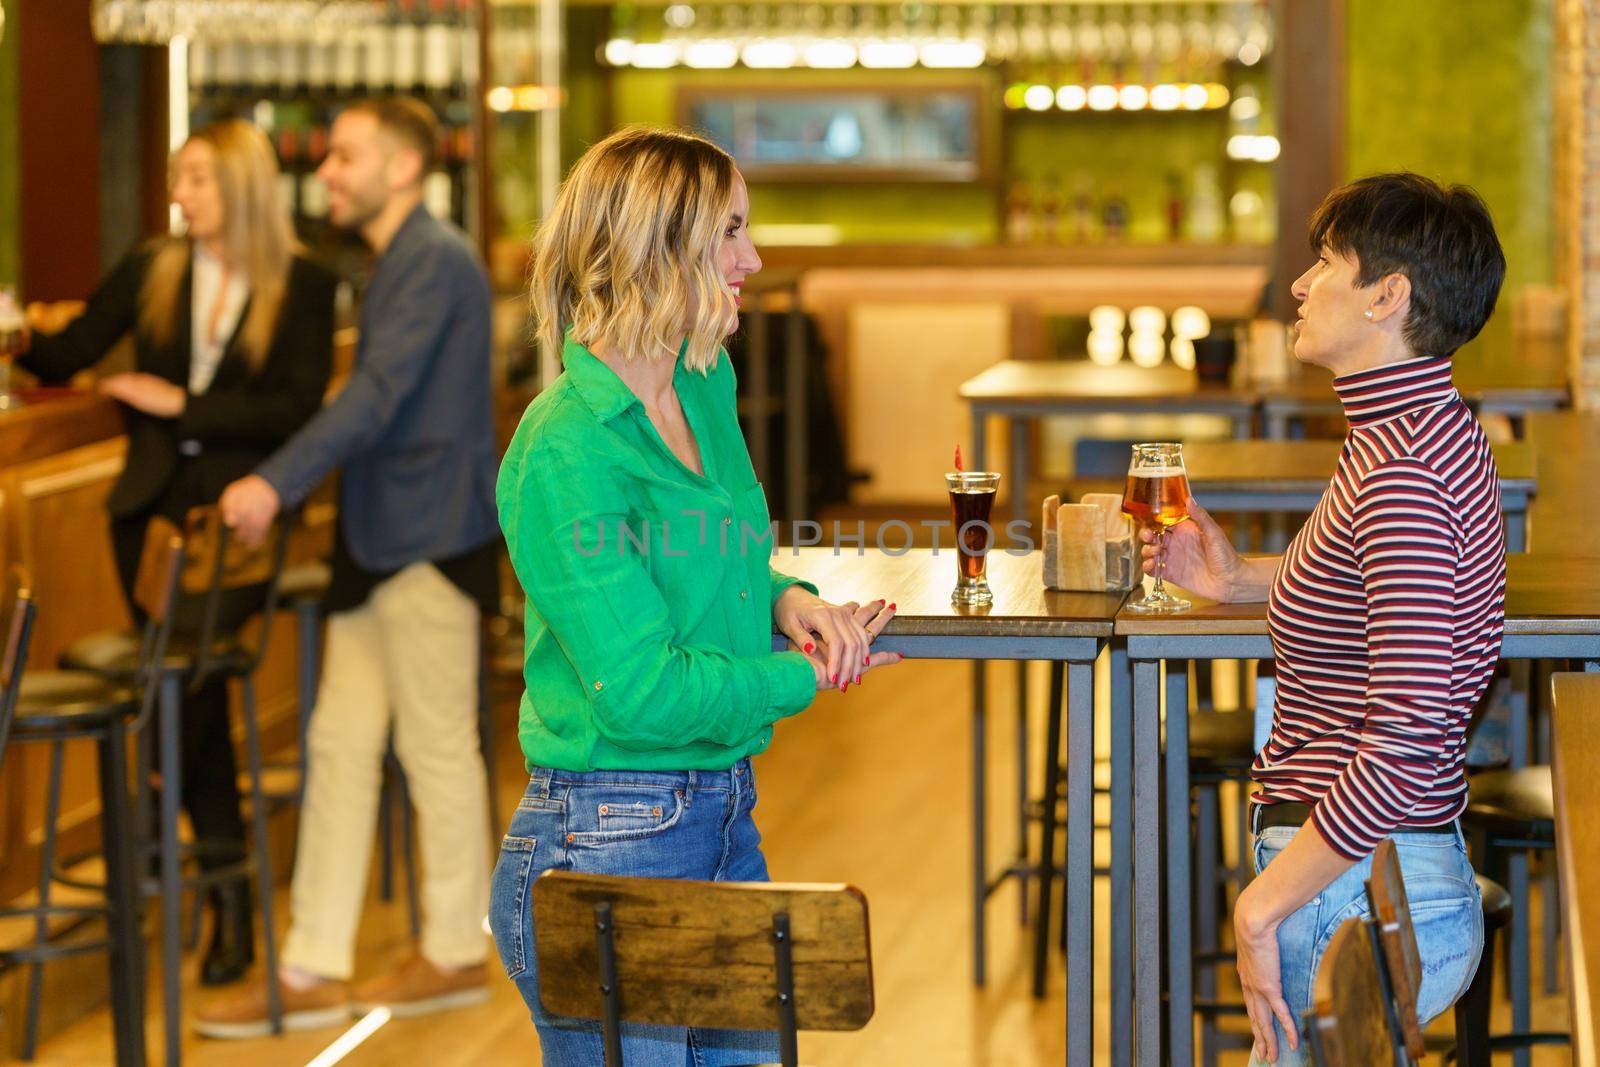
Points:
(1157, 494)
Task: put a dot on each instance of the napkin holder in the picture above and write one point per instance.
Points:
(1088, 546)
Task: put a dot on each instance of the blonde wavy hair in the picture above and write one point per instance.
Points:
(258, 237)
(631, 245)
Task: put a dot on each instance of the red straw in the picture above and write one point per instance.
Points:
(959, 468)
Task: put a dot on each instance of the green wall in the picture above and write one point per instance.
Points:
(10, 152)
(1461, 91)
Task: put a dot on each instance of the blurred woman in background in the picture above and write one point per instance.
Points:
(233, 340)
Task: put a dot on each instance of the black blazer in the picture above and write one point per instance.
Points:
(240, 420)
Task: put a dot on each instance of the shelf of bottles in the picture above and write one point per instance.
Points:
(292, 71)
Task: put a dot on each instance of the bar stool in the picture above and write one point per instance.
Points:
(214, 564)
(1221, 749)
(1511, 813)
(54, 707)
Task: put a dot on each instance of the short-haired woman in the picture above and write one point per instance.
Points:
(1386, 612)
(233, 342)
(640, 535)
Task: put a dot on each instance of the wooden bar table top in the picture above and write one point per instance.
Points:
(919, 584)
(1023, 390)
(1290, 476)
(1530, 383)
(1295, 467)
(1065, 386)
(1575, 742)
(1563, 516)
(1552, 613)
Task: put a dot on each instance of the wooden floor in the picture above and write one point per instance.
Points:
(870, 788)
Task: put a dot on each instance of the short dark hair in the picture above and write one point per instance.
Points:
(409, 119)
(1442, 239)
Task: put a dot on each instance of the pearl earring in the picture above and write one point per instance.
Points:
(1367, 313)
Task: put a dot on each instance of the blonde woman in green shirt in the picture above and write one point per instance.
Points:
(641, 538)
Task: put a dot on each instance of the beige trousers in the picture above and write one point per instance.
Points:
(407, 658)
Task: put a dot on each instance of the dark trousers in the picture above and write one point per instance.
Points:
(209, 772)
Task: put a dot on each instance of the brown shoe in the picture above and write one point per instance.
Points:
(244, 1015)
(417, 987)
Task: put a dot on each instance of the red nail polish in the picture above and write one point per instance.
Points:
(892, 607)
(866, 661)
(834, 678)
(809, 646)
(846, 688)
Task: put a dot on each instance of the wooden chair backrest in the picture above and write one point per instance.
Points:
(156, 585)
(204, 537)
(1349, 1021)
(18, 629)
(1386, 893)
(701, 953)
(18, 605)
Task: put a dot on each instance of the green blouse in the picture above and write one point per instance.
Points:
(650, 588)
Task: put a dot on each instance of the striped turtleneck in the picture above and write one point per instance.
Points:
(1386, 614)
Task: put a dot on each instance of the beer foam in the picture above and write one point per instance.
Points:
(1157, 472)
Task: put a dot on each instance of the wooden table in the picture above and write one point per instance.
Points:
(1552, 613)
(1025, 622)
(1515, 390)
(1575, 724)
(1277, 477)
(1567, 462)
(1025, 390)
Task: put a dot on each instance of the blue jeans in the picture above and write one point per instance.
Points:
(1445, 910)
(647, 824)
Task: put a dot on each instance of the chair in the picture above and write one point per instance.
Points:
(1350, 1023)
(1397, 942)
(1386, 895)
(54, 707)
(213, 564)
(784, 957)
(1221, 749)
(1511, 813)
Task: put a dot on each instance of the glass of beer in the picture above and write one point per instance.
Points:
(1157, 495)
(971, 503)
(11, 343)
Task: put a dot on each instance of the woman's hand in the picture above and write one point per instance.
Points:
(1198, 555)
(836, 637)
(146, 392)
(1261, 980)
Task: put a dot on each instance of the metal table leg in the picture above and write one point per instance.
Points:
(980, 858)
(1147, 862)
(1180, 957)
(1121, 859)
(1079, 889)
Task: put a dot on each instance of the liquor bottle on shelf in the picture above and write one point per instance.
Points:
(1049, 209)
(202, 66)
(1082, 209)
(349, 63)
(1019, 213)
(1175, 207)
(1114, 217)
(313, 194)
(441, 52)
(1205, 206)
(289, 160)
(406, 36)
(466, 67)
